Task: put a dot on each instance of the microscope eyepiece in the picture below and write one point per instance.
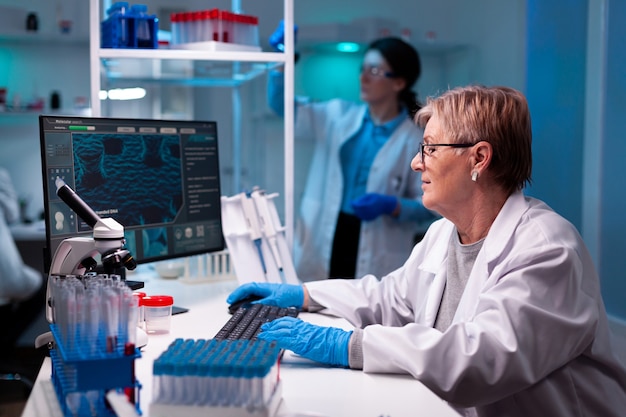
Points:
(76, 203)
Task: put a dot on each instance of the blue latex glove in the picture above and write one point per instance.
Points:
(277, 39)
(321, 344)
(280, 295)
(372, 205)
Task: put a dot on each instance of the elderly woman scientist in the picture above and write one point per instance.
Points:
(498, 309)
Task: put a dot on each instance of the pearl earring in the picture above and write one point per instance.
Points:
(474, 176)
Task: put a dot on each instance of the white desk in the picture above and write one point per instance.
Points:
(309, 389)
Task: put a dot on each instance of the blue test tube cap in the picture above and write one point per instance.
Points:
(192, 366)
(119, 6)
(138, 9)
(176, 343)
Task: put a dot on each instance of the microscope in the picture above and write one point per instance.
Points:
(77, 255)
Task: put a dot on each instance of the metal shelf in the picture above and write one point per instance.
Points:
(241, 72)
(191, 55)
(43, 39)
(109, 57)
(30, 117)
(198, 73)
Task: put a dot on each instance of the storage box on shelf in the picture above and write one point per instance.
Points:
(129, 27)
(214, 30)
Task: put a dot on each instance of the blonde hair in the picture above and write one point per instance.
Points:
(498, 115)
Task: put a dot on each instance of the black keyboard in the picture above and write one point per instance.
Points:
(246, 321)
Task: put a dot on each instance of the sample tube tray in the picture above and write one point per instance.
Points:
(270, 409)
(81, 381)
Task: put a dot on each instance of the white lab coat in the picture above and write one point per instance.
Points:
(385, 242)
(17, 281)
(530, 337)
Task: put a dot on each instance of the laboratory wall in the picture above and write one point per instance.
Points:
(568, 57)
(42, 71)
(555, 90)
(577, 94)
(454, 50)
(32, 69)
(609, 141)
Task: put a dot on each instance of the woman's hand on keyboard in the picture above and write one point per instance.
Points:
(322, 344)
(281, 295)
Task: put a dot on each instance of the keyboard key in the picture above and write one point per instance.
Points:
(246, 321)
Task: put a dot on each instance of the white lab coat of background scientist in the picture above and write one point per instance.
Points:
(18, 281)
(385, 242)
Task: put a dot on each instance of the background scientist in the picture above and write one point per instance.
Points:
(22, 289)
(361, 207)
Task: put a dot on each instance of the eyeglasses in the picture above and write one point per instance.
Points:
(376, 72)
(430, 148)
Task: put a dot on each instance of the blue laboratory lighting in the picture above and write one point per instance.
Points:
(347, 47)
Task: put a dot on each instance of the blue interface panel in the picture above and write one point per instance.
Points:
(159, 179)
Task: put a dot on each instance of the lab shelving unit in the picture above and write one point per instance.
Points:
(34, 42)
(156, 69)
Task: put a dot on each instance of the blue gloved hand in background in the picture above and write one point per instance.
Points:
(322, 344)
(280, 295)
(371, 205)
(277, 38)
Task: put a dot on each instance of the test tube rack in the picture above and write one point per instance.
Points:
(209, 267)
(81, 379)
(214, 30)
(256, 255)
(226, 378)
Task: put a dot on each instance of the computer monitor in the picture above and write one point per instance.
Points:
(159, 179)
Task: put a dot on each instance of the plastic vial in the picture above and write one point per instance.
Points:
(176, 22)
(144, 26)
(118, 14)
(141, 316)
(158, 313)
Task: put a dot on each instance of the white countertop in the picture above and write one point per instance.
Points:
(308, 388)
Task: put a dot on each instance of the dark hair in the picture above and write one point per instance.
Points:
(405, 63)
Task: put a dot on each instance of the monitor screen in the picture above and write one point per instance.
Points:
(157, 178)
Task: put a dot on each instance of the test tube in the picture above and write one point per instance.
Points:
(201, 266)
(139, 295)
(93, 315)
(227, 373)
(175, 26)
